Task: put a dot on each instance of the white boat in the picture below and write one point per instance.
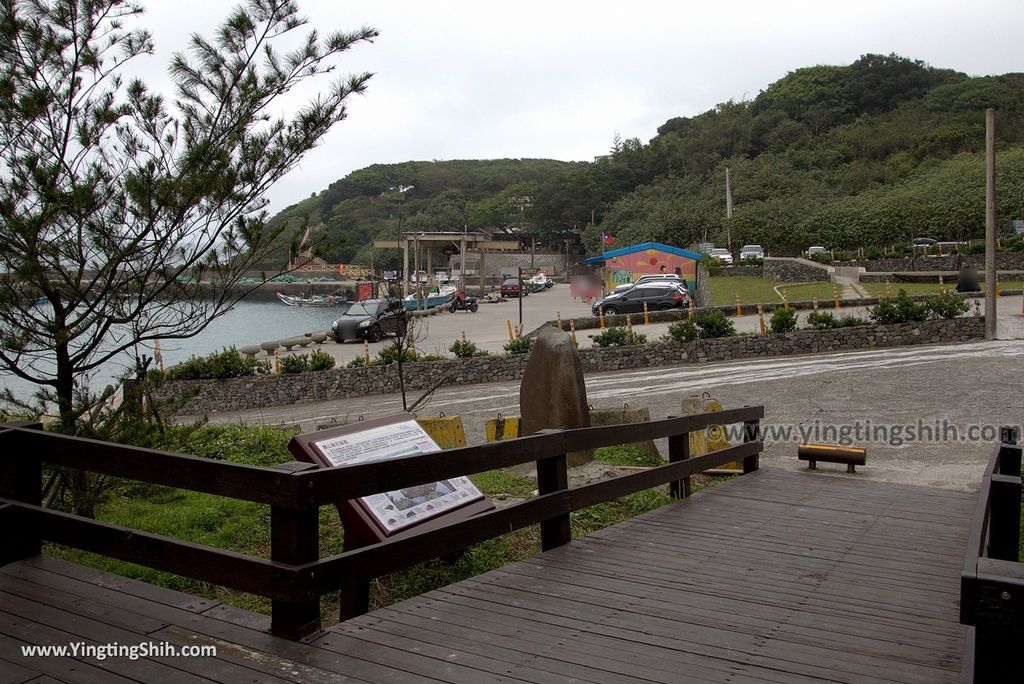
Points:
(314, 300)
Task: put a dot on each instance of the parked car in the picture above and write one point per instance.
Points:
(652, 278)
(751, 253)
(371, 319)
(722, 254)
(811, 251)
(923, 242)
(659, 296)
(390, 276)
(511, 287)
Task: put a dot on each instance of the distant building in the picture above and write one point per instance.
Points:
(622, 266)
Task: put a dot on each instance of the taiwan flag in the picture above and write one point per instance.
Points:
(609, 239)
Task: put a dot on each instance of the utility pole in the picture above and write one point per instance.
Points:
(728, 209)
(990, 224)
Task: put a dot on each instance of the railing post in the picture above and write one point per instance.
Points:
(553, 476)
(21, 479)
(294, 539)
(1004, 518)
(1009, 460)
(679, 450)
(751, 433)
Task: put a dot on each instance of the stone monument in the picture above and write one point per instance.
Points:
(552, 393)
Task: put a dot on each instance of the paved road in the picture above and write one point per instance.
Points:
(886, 391)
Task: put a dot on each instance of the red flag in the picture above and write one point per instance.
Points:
(609, 239)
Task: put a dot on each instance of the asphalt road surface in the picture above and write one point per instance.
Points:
(927, 415)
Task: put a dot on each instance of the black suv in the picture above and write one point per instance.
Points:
(371, 319)
(659, 296)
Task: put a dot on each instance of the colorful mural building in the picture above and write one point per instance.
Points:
(622, 266)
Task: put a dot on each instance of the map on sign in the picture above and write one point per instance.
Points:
(405, 507)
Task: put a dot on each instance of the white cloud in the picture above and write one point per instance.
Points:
(457, 79)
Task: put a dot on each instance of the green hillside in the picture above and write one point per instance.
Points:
(870, 153)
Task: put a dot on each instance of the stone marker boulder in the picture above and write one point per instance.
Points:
(552, 393)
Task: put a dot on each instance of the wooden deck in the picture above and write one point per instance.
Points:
(778, 577)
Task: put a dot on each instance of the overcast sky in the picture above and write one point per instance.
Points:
(558, 79)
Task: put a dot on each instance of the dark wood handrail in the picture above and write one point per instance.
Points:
(992, 579)
(294, 578)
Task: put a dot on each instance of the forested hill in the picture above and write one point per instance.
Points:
(868, 153)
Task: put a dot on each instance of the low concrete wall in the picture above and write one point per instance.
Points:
(240, 393)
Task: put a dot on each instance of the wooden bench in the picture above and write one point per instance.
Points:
(851, 456)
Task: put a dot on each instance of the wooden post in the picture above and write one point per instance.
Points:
(785, 301)
(888, 288)
(295, 540)
(21, 479)
(751, 433)
(508, 324)
(463, 336)
(690, 310)
(679, 450)
(760, 319)
(990, 224)
(1004, 521)
(835, 297)
(739, 308)
(629, 323)
(558, 319)
(814, 303)
(553, 476)
(366, 352)
(647, 315)
(277, 361)
(600, 317)
(572, 329)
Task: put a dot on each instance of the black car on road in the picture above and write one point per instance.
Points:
(658, 295)
(371, 319)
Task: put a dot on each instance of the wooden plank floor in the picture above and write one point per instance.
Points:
(773, 577)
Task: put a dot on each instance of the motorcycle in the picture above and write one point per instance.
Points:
(464, 304)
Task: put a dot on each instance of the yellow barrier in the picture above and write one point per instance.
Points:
(499, 429)
(447, 431)
(714, 437)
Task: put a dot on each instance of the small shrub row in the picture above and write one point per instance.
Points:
(464, 349)
(704, 325)
(218, 366)
(519, 345)
(904, 309)
(302, 363)
(826, 320)
(618, 337)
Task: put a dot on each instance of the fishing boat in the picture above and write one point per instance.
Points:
(440, 298)
(313, 300)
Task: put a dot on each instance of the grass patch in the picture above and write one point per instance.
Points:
(626, 455)
(751, 289)
(498, 482)
(806, 292)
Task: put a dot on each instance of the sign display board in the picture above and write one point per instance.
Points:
(383, 439)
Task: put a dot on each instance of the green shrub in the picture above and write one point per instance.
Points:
(298, 363)
(874, 253)
(821, 320)
(618, 337)
(464, 349)
(389, 355)
(845, 256)
(320, 360)
(218, 366)
(714, 323)
(851, 321)
(823, 258)
(783, 320)
(519, 345)
(900, 309)
(948, 305)
(358, 362)
(683, 331)
(712, 265)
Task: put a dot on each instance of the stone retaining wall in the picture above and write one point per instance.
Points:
(794, 270)
(240, 393)
(1005, 261)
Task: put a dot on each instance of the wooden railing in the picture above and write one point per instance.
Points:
(294, 577)
(992, 579)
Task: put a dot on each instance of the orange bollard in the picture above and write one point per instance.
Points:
(629, 323)
(814, 303)
(366, 352)
(647, 315)
(835, 297)
(572, 329)
(690, 311)
(785, 301)
(739, 308)
(888, 288)
(760, 319)
(509, 324)
(601, 317)
(558, 319)
(277, 363)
